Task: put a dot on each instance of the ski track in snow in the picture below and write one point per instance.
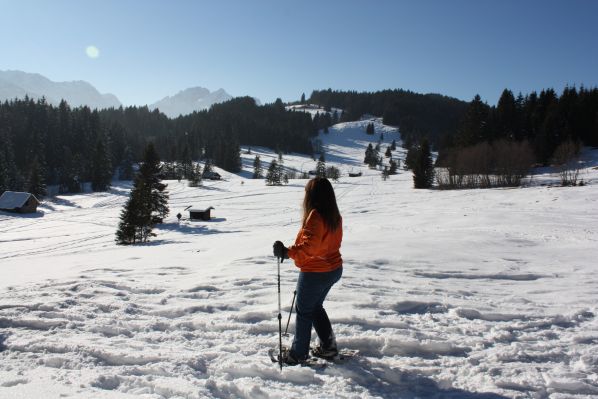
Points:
(457, 294)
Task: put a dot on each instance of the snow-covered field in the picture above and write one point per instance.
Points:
(459, 294)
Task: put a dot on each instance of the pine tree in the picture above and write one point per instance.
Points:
(370, 128)
(423, 170)
(316, 122)
(411, 157)
(393, 146)
(149, 173)
(333, 173)
(276, 175)
(68, 173)
(126, 167)
(371, 156)
(388, 153)
(303, 98)
(36, 184)
(10, 178)
(101, 167)
(3, 173)
(187, 162)
(126, 232)
(207, 168)
(195, 180)
(393, 166)
(321, 167)
(147, 204)
(230, 155)
(474, 128)
(136, 222)
(257, 168)
(506, 116)
(284, 177)
(273, 174)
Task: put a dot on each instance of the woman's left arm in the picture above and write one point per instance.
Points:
(309, 239)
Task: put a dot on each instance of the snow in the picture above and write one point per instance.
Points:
(459, 294)
(313, 109)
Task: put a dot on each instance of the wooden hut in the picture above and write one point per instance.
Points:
(200, 214)
(14, 201)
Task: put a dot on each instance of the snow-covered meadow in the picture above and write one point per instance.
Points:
(459, 294)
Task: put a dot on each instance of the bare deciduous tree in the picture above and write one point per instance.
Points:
(500, 164)
(564, 157)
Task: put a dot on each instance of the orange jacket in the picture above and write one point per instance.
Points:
(316, 248)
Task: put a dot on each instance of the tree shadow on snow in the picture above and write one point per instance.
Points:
(195, 228)
(36, 215)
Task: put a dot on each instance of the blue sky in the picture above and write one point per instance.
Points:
(270, 49)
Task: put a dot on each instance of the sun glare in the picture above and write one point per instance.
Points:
(92, 52)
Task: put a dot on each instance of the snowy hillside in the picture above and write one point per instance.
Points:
(458, 294)
(17, 84)
(190, 100)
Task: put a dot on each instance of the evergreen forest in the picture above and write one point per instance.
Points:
(43, 145)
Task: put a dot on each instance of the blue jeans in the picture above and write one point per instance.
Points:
(312, 289)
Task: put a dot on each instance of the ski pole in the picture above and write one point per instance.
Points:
(279, 320)
(290, 313)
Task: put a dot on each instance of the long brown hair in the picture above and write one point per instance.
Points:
(319, 195)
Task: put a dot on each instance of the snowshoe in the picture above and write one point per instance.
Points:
(324, 353)
(334, 355)
(287, 357)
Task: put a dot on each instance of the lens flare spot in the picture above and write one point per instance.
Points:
(92, 52)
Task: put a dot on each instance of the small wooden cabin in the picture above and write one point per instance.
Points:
(14, 201)
(200, 214)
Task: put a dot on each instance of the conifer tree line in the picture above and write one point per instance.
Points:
(545, 119)
(497, 145)
(42, 144)
(417, 115)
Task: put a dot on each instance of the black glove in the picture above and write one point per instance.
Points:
(280, 251)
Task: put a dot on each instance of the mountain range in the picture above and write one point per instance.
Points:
(189, 100)
(18, 84)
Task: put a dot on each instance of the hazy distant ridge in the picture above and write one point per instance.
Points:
(190, 100)
(18, 84)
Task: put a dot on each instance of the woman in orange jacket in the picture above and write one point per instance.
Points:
(316, 254)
